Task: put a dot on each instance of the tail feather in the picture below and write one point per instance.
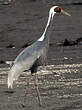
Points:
(13, 75)
(10, 83)
(10, 79)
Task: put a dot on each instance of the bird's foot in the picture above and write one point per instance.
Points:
(40, 104)
(23, 105)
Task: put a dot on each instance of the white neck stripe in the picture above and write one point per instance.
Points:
(42, 37)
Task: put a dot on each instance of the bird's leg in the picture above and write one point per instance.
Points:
(28, 81)
(37, 90)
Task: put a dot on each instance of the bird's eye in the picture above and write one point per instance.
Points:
(57, 9)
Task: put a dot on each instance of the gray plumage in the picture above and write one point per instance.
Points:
(33, 56)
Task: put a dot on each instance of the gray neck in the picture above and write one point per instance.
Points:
(47, 29)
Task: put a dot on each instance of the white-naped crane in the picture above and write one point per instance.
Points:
(34, 55)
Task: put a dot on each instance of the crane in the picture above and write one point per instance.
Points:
(34, 55)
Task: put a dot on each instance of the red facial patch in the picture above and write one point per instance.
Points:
(57, 9)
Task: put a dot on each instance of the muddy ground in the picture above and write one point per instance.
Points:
(60, 82)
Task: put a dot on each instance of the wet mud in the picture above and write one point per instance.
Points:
(60, 82)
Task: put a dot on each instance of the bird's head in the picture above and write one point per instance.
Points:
(57, 9)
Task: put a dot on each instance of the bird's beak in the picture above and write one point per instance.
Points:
(64, 12)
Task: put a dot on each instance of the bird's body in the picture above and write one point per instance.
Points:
(29, 59)
(33, 56)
